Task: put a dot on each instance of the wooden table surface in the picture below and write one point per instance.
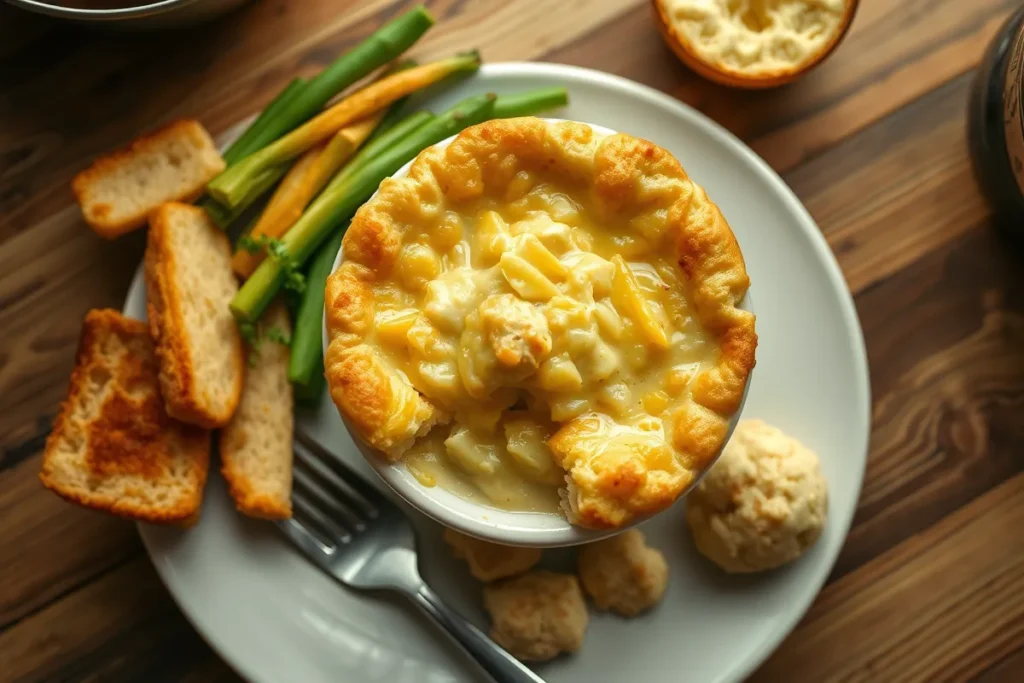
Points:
(930, 583)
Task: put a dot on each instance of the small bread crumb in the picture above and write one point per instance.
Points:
(763, 504)
(623, 574)
(538, 615)
(490, 561)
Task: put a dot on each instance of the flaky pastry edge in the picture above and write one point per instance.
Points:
(622, 172)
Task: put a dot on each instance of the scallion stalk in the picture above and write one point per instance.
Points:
(340, 199)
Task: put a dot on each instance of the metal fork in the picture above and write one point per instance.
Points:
(354, 533)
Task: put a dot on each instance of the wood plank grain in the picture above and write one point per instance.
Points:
(122, 627)
(223, 73)
(945, 339)
(19, 28)
(49, 277)
(944, 605)
(929, 584)
(895, 53)
(900, 188)
(50, 547)
(58, 545)
(210, 669)
(1005, 671)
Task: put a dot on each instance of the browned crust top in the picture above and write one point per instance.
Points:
(622, 175)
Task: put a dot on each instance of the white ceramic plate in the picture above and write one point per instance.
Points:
(277, 619)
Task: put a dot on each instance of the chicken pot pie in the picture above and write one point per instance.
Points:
(542, 317)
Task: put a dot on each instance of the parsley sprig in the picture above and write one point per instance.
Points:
(255, 336)
(295, 281)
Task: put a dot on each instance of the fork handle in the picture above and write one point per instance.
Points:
(503, 667)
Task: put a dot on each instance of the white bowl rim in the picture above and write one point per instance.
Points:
(144, 9)
(528, 529)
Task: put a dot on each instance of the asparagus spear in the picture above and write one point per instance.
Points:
(243, 146)
(238, 149)
(224, 216)
(343, 196)
(505, 107)
(308, 395)
(306, 366)
(377, 146)
(329, 157)
(384, 45)
(529, 103)
(304, 180)
(307, 349)
(233, 187)
(306, 355)
(301, 100)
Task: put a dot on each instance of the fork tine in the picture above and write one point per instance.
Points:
(326, 530)
(358, 489)
(329, 500)
(332, 485)
(308, 542)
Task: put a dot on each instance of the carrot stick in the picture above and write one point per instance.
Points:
(304, 180)
(232, 186)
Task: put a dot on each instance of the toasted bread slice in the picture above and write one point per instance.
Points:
(189, 285)
(118, 192)
(256, 446)
(113, 447)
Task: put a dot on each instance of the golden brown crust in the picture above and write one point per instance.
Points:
(178, 380)
(615, 474)
(709, 255)
(130, 438)
(623, 573)
(727, 75)
(349, 301)
(491, 561)
(256, 446)
(623, 176)
(382, 407)
(254, 504)
(97, 214)
(763, 504)
(248, 499)
(538, 615)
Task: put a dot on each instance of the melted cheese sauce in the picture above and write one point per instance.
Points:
(757, 36)
(516, 315)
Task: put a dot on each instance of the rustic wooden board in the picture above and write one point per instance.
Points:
(929, 584)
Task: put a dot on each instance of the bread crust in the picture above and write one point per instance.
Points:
(132, 437)
(620, 173)
(693, 56)
(97, 214)
(247, 494)
(179, 383)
